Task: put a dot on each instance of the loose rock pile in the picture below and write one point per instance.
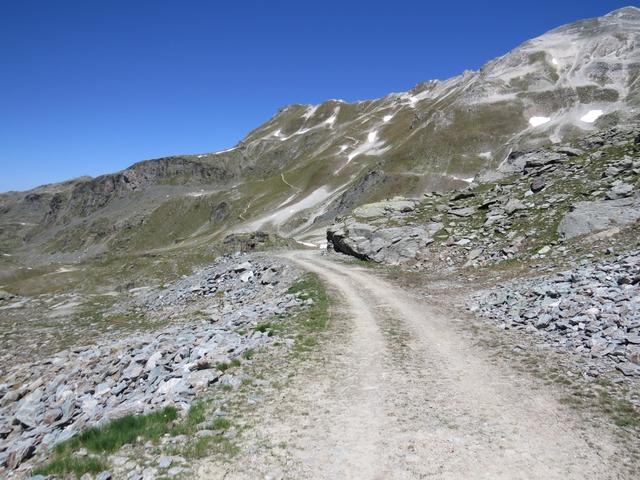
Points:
(592, 310)
(45, 403)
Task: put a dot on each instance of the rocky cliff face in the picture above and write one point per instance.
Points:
(309, 163)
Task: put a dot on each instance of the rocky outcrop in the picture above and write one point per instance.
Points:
(590, 217)
(366, 233)
(355, 195)
(390, 245)
(93, 194)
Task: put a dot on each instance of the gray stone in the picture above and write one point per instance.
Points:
(6, 296)
(242, 267)
(537, 184)
(611, 172)
(513, 205)
(621, 190)
(463, 212)
(629, 369)
(152, 361)
(569, 151)
(590, 217)
(172, 386)
(133, 371)
(393, 245)
(31, 409)
(385, 208)
(543, 321)
(475, 253)
(201, 379)
(101, 389)
(633, 338)
(269, 277)
(19, 453)
(246, 276)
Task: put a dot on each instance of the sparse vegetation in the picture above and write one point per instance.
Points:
(109, 438)
(67, 465)
(221, 423)
(134, 429)
(314, 318)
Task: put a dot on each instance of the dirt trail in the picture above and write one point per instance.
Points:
(405, 396)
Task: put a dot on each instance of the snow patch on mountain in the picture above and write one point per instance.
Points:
(289, 199)
(591, 116)
(311, 110)
(372, 146)
(462, 179)
(332, 119)
(537, 121)
(413, 100)
(281, 215)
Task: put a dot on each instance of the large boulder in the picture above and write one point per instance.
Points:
(590, 217)
(385, 208)
(390, 245)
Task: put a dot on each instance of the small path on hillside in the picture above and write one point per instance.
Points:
(398, 393)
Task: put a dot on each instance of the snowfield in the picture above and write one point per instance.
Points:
(537, 121)
(591, 116)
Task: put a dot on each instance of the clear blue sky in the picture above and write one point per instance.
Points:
(89, 87)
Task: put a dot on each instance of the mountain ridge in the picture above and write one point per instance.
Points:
(292, 173)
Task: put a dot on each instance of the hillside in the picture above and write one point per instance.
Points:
(309, 163)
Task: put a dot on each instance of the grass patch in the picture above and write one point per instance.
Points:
(132, 429)
(314, 318)
(224, 366)
(205, 446)
(110, 437)
(107, 439)
(195, 416)
(623, 412)
(249, 354)
(72, 466)
(221, 423)
(266, 327)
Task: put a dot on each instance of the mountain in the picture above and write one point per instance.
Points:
(310, 163)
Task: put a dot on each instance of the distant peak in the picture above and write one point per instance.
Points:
(629, 12)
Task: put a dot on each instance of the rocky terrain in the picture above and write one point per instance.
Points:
(592, 311)
(540, 203)
(140, 295)
(45, 403)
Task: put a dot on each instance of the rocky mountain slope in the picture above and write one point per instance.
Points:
(309, 163)
(545, 204)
